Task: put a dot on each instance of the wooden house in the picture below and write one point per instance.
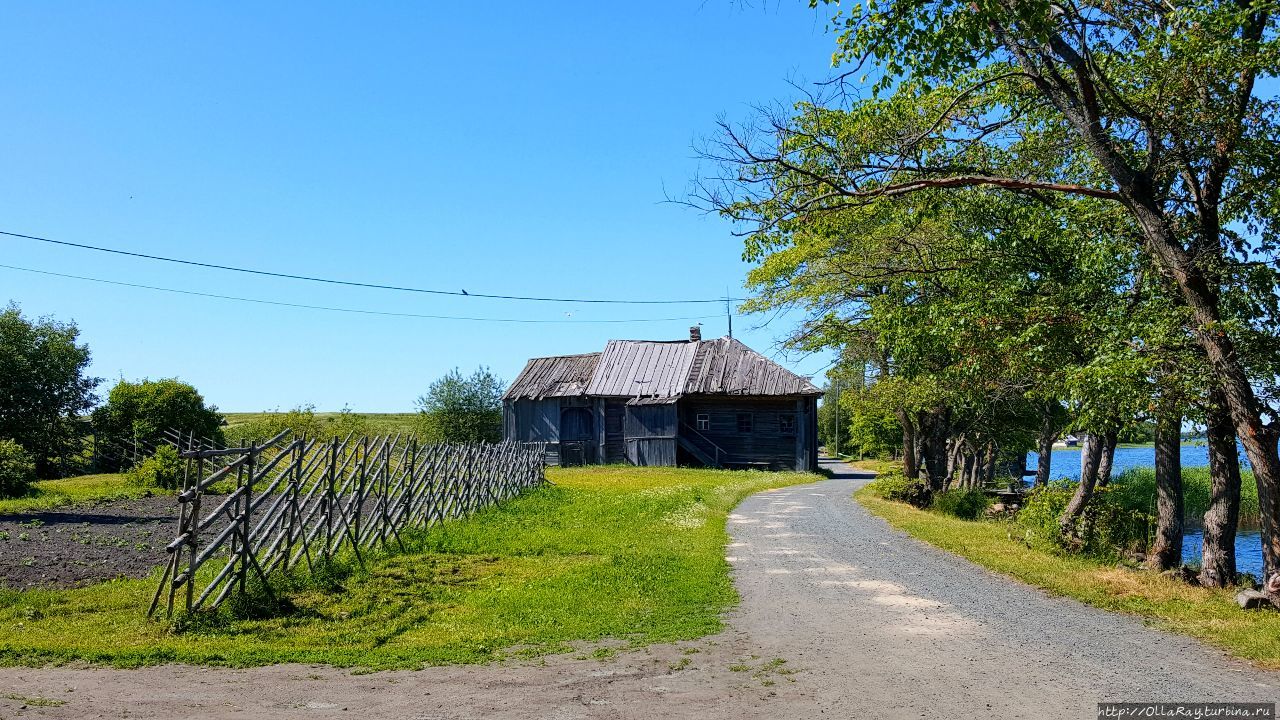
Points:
(714, 403)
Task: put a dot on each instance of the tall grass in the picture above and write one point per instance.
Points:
(1136, 490)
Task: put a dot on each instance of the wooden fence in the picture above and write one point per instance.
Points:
(298, 500)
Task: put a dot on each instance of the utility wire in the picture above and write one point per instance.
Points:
(353, 283)
(341, 309)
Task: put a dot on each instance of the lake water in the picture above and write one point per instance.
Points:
(1065, 463)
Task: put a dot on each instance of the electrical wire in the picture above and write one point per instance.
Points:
(348, 310)
(353, 283)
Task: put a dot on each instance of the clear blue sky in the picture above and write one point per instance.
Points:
(513, 148)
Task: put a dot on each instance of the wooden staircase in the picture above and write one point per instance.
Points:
(699, 446)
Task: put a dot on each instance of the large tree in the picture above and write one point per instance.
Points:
(1151, 108)
(43, 387)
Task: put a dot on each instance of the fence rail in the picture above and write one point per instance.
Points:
(294, 500)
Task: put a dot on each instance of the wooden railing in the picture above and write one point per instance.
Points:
(300, 500)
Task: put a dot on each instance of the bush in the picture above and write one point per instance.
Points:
(893, 485)
(17, 470)
(1107, 530)
(967, 504)
(462, 409)
(162, 471)
(144, 410)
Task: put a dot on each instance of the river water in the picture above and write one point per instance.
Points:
(1066, 464)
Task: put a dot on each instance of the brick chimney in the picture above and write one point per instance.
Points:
(695, 333)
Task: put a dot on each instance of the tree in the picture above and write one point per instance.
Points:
(140, 412)
(461, 409)
(43, 387)
(17, 472)
(1149, 108)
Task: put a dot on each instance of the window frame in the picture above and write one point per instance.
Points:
(784, 418)
(702, 422)
(750, 422)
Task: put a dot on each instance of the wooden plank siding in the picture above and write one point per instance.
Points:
(634, 401)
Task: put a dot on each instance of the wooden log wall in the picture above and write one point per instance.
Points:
(299, 501)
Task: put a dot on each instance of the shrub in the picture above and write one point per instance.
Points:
(893, 485)
(1108, 529)
(968, 504)
(162, 471)
(144, 410)
(17, 470)
(462, 409)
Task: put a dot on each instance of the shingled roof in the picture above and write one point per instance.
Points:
(658, 370)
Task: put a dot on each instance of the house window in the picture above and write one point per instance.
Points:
(745, 422)
(704, 421)
(787, 423)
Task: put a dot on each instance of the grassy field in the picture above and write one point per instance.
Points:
(377, 423)
(56, 493)
(1210, 615)
(635, 554)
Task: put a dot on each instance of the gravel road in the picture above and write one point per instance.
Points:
(841, 616)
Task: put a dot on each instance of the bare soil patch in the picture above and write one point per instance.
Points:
(84, 544)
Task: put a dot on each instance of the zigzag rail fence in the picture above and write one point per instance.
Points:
(300, 500)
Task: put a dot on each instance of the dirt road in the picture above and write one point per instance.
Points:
(840, 617)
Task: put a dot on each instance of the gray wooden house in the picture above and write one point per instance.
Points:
(715, 403)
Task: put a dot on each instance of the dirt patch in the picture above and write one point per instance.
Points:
(84, 544)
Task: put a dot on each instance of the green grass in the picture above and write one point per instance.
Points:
(50, 494)
(377, 423)
(1208, 614)
(1136, 490)
(635, 554)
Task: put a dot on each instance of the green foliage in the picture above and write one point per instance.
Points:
(43, 388)
(143, 410)
(620, 552)
(1135, 490)
(461, 409)
(893, 485)
(17, 470)
(966, 504)
(161, 471)
(1108, 528)
(302, 420)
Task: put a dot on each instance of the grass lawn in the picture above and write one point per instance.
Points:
(1210, 615)
(618, 552)
(66, 491)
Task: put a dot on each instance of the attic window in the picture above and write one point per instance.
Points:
(746, 422)
(787, 423)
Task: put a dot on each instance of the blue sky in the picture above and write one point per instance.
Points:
(520, 149)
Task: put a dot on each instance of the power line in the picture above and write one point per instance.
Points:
(341, 309)
(353, 283)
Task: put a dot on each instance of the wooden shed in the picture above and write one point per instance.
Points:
(715, 403)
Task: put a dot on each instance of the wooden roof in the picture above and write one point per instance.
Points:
(630, 368)
(659, 372)
(727, 367)
(558, 376)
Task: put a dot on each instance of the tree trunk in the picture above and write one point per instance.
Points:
(1107, 459)
(1044, 447)
(1166, 551)
(989, 475)
(1218, 569)
(909, 466)
(1090, 456)
(935, 429)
